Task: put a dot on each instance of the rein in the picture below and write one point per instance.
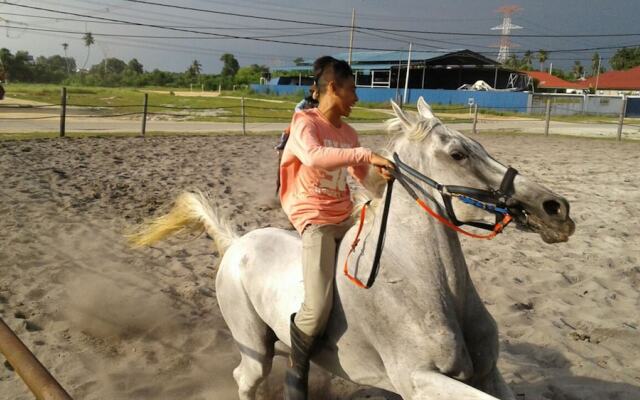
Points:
(494, 201)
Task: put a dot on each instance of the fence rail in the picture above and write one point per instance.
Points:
(547, 117)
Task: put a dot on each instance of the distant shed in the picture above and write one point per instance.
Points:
(438, 69)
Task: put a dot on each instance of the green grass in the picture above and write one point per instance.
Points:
(127, 100)
(222, 109)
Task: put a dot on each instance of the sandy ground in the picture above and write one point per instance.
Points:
(115, 323)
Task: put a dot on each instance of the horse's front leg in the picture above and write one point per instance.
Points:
(494, 383)
(481, 333)
(428, 384)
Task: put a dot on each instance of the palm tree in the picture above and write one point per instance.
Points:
(88, 41)
(65, 46)
(196, 67)
(595, 64)
(543, 56)
(527, 58)
(577, 69)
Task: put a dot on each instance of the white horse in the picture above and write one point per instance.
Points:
(421, 331)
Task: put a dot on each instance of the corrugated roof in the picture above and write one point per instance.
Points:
(391, 56)
(548, 81)
(300, 68)
(616, 80)
(612, 80)
(369, 67)
(367, 60)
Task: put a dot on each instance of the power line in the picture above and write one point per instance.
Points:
(166, 37)
(175, 48)
(170, 26)
(195, 31)
(270, 40)
(374, 29)
(403, 39)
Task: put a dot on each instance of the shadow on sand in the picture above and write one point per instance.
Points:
(557, 381)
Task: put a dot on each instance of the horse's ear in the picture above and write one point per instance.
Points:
(401, 115)
(424, 109)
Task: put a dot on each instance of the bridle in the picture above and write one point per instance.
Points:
(494, 201)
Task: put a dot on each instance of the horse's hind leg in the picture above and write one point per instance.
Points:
(256, 358)
(254, 338)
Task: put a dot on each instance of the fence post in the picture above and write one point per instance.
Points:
(547, 117)
(475, 118)
(144, 114)
(63, 111)
(244, 131)
(622, 112)
(32, 372)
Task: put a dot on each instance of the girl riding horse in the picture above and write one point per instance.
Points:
(315, 196)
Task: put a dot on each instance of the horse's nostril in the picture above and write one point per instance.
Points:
(552, 207)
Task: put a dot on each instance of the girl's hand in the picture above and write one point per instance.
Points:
(383, 166)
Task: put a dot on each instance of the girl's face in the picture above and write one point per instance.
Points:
(345, 96)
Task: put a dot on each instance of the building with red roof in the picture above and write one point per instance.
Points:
(616, 82)
(610, 83)
(552, 83)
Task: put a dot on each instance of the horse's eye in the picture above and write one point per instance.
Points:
(458, 156)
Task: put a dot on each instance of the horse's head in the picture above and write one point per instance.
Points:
(451, 158)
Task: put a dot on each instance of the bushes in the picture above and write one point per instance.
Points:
(112, 72)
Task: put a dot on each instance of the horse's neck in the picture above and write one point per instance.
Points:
(417, 240)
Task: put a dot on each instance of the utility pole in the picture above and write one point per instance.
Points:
(598, 74)
(353, 23)
(406, 80)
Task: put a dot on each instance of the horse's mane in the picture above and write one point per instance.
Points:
(418, 130)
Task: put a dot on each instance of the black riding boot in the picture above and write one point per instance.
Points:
(295, 382)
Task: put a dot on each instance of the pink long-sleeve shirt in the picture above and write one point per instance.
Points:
(313, 170)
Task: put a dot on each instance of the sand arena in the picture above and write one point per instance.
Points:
(115, 323)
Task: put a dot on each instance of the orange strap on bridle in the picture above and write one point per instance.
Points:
(496, 230)
(356, 240)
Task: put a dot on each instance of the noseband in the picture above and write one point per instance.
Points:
(493, 201)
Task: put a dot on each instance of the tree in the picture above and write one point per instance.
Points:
(543, 56)
(298, 61)
(5, 58)
(251, 74)
(113, 66)
(527, 59)
(65, 46)
(230, 67)
(512, 62)
(135, 67)
(194, 69)
(578, 69)
(625, 58)
(17, 67)
(88, 41)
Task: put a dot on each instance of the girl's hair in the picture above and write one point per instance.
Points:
(328, 66)
(310, 98)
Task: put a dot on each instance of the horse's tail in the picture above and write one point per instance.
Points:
(191, 212)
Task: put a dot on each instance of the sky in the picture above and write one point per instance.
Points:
(428, 24)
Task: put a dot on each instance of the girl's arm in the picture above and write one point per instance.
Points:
(309, 148)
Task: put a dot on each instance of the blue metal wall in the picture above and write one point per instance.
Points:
(508, 101)
(633, 107)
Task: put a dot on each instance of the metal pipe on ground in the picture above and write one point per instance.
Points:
(41, 383)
